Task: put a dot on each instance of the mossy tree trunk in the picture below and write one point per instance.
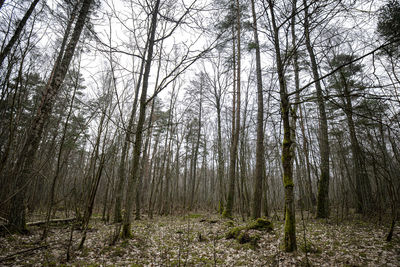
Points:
(290, 243)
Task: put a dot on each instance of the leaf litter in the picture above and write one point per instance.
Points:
(201, 241)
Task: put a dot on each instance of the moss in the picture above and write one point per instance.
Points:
(243, 238)
(261, 224)
(220, 207)
(230, 223)
(227, 213)
(290, 232)
(194, 216)
(254, 240)
(126, 231)
(287, 181)
(234, 232)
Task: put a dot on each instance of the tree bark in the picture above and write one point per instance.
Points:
(260, 163)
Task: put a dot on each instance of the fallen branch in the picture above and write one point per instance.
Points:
(67, 220)
(4, 220)
(12, 256)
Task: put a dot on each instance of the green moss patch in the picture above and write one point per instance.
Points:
(261, 224)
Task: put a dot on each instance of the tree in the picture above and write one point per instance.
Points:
(126, 231)
(217, 83)
(290, 243)
(388, 26)
(17, 33)
(343, 81)
(235, 110)
(23, 169)
(260, 162)
(323, 186)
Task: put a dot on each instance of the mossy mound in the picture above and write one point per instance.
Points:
(234, 232)
(243, 236)
(261, 224)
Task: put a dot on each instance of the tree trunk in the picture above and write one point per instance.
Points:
(235, 117)
(125, 147)
(260, 163)
(290, 220)
(323, 187)
(363, 186)
(126, 231)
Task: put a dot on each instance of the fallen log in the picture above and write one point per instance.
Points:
(67, 220)
(12, 256)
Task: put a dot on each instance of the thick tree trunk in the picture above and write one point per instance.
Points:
(146, 166)
(23, 168)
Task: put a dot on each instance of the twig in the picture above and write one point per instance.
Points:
(67, 220)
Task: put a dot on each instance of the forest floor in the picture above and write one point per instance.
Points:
(200, 240)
